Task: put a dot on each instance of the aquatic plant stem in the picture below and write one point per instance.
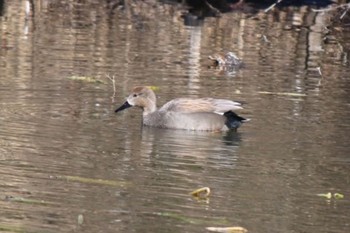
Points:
(112, 79)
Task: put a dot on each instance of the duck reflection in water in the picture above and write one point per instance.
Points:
(196, 144)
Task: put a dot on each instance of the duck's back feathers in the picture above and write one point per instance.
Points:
(210, 105)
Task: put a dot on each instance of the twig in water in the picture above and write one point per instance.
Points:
(319, 70)
(272, 6)
(112, 79)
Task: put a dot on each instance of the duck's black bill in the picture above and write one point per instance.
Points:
(124, 106)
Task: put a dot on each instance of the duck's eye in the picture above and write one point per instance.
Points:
(134, 95)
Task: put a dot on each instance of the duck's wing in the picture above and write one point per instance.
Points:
(187, 105)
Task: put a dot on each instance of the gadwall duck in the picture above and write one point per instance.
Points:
(185, 113)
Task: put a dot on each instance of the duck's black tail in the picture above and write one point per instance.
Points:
(233, 121)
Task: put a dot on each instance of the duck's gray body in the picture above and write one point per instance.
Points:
(185, 113)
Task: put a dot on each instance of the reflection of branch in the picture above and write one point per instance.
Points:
(332, 8)
(319, 71)
(112, 79)
(212, 8)
(342, 16)
(272, 6)
(265, 39)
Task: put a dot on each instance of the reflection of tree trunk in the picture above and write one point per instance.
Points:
(32, 14)
(32, 8)
(315, 46)
(194, 57)
(127, 8)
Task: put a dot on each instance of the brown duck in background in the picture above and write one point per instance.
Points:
(229, 59)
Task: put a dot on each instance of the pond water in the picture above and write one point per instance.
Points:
(68, 163)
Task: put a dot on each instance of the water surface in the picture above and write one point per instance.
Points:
(69, 163)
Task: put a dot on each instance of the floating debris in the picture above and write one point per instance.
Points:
(326, 195)
(329, 195)
(201, 192)
(227, 229)
(338, 196)
(154, 88)
(282, 93)
(80, 219)
(87, 79)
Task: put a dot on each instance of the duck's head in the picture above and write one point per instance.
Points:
(142, 97)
